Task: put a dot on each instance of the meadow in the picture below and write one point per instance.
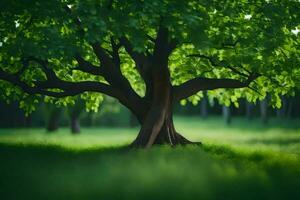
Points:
(244, 160)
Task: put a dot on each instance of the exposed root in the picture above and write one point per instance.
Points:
(173, 140)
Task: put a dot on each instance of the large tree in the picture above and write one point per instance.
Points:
(148, 54)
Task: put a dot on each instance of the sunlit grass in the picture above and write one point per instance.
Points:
(280, 136)
(90, 138)
(252, 135)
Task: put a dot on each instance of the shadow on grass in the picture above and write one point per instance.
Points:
(210, 172)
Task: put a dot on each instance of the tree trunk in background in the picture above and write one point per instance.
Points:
(74, 117)
(249, 110)
(75, 124)
(290, 108)
(203, 105)
(53, 119)
(264, 110)
(283, 111)
(226, 114)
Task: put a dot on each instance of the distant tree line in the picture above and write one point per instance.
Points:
(113, 114)
(53, 117)
(290, 109)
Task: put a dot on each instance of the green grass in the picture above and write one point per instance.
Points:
(241, 161)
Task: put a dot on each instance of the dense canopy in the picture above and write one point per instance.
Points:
(64, 48)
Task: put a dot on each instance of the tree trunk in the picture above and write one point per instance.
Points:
(249, 110)
(75, 124)
(166, 134)
(157, 121)
(290, 109)
(203, 104)
(53, 120)
(157, 126)
(226, 114)
(282, 112)
(264, 111)
(74, 113)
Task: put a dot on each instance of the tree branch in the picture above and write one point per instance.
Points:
(50, 74)
(230, 45)
(216, 64)
(137, 57)
(69, 88)
(87, 67)
(163, 45)
(113, 75)
(115, 51)
(195, 85)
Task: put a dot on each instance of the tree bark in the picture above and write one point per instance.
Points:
(157, 126)
(166, 133)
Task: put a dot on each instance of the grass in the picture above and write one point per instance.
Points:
(241, 161)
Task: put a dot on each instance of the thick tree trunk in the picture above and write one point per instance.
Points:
(166, 134)
(157, 123)
(157, 126)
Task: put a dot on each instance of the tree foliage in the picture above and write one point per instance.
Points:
(53, 50)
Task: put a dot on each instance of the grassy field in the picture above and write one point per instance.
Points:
(245, 160)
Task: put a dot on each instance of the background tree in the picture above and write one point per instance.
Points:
(204, 106)
(74, 113)
(52, 117)
(148, 54)
(264, 110)
(226, 112)
(249, 109)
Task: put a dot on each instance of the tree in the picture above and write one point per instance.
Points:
(53, 116)
(249, 110)
(204, 105)
(226, 112)
(74, 113)
(264, 110)
(148, 54)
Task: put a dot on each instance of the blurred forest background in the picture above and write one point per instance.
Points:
(113, 114)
